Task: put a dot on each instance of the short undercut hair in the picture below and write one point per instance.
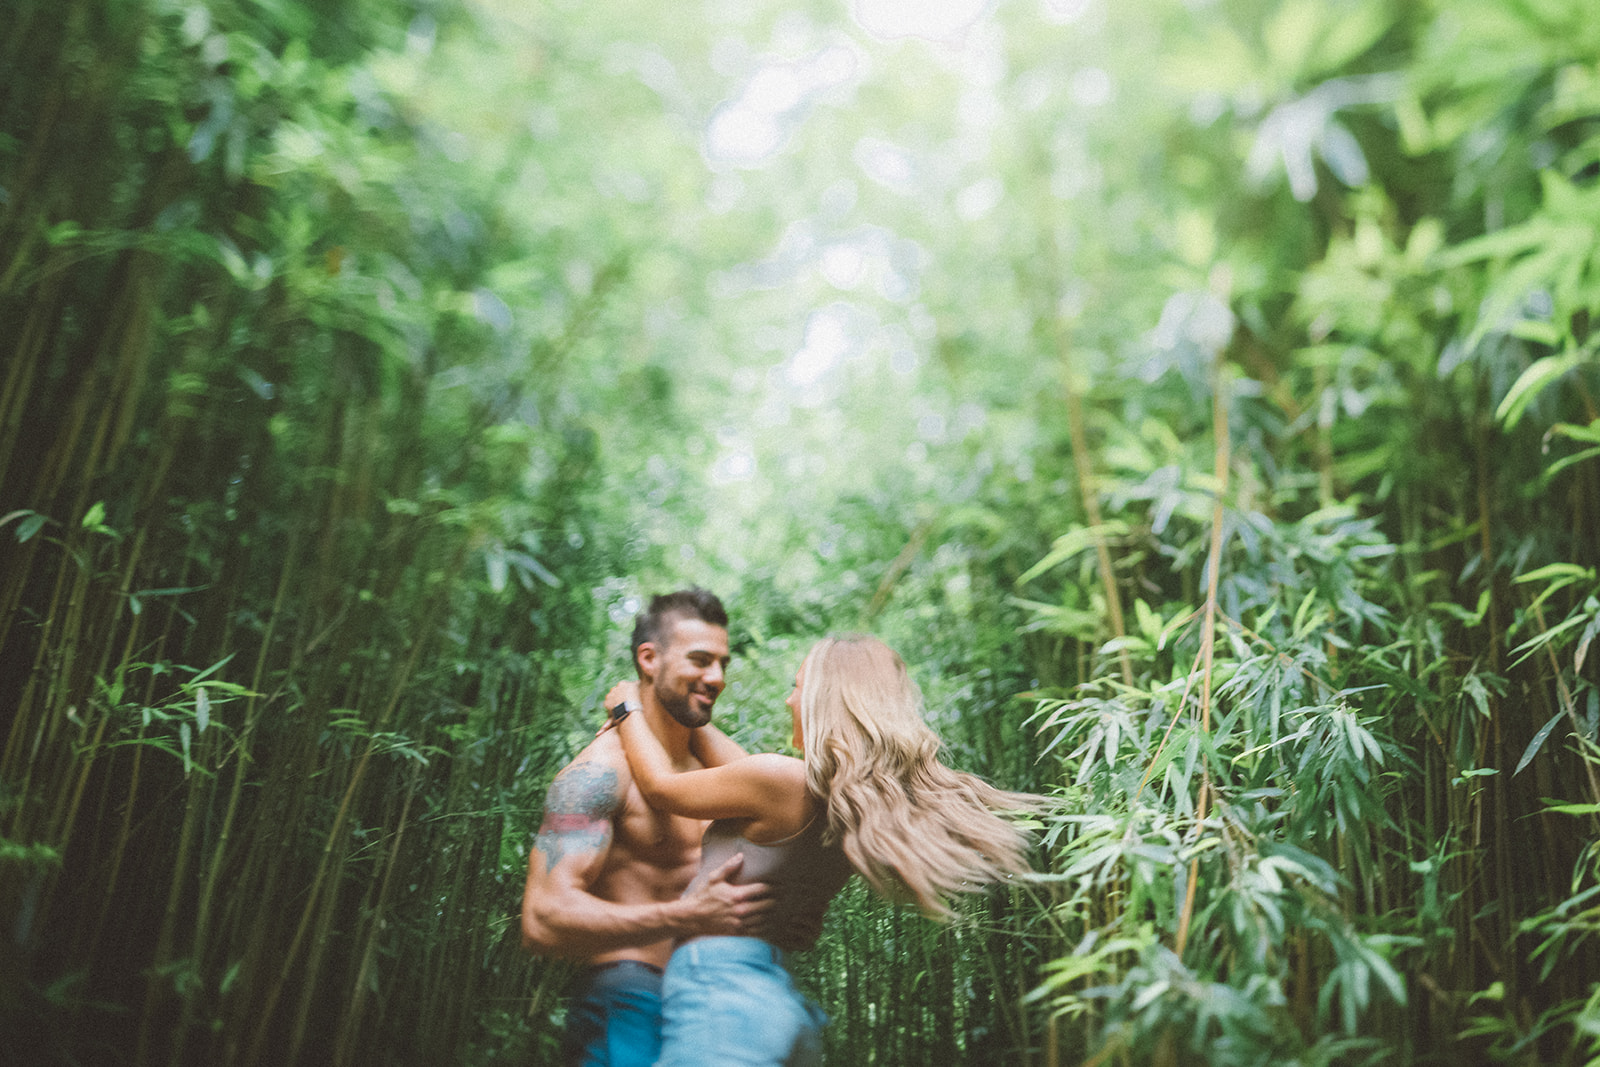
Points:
(655, 622)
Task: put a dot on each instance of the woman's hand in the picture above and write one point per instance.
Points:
(622, 691)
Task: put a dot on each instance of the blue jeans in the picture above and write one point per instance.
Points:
(614, 1017)
(730, 1000)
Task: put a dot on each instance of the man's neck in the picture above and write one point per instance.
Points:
(673, 735)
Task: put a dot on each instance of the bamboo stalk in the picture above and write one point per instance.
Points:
(268, 1005)
(1569, 706)
(219, 850)
(1047, 320)
(897, 569)
(155, 989)
(1088, 488)
(42, 755)
(1222, 464)
(349, 1033)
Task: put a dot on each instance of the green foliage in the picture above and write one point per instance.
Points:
(1201, 398)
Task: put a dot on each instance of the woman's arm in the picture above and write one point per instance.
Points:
(765, 787)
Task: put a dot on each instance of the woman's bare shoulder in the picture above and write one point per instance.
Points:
(776, 766)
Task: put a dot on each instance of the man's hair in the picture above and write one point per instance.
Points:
(655, 622)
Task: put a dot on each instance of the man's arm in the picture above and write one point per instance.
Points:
(560, 914)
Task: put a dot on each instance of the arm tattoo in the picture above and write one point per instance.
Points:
(578, 811)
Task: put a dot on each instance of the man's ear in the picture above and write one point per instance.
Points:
(644, 660)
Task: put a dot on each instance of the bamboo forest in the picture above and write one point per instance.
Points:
(1201, 395)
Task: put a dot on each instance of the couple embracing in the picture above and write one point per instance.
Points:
(683, 870)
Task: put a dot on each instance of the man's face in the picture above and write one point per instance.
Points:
(686, 670)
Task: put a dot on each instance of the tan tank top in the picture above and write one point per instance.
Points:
(804, 873)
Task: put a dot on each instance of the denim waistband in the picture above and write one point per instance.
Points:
(737, 949)
(597, 968)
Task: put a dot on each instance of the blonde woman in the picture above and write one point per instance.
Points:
(870, 796)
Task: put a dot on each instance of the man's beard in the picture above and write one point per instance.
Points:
(682, 710)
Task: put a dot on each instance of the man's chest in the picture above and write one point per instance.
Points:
(656, 838)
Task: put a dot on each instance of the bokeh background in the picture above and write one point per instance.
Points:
(1200, 394)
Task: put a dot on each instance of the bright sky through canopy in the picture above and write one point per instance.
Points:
(933, 19)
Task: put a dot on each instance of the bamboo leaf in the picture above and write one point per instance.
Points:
(1573, 809)
(1469, 618)
(1541, 374)
(498, 571)
(1589, 634)
(1567, 571)
(1589, 433)
(1290, 33)
(64, 232)
(1350, 33)
(202, 709)
(1538, 331)
(136, 600)
(533, 566)
(1303, 612)
(1532, 645)
(1071, 544)
(214, 668)
(12, 516)
(1537, 743)
(1477, 692)
(29, 526)
(1567, 461)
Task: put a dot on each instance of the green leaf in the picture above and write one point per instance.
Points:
(1573, 809)
(1537, 743)
(31, 523)
(63, 233)
(532, 566)
(1348, 32)
(1470, 618)
(1589, 433)
(1071, 544)
(1533, 644)
(1569, 571)
(1289, 34)
(1474, 688)
(217, 666)
(1568, 461)
(1540, 374)
(1539, 331)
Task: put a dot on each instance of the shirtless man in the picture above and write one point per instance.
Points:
(607, 874)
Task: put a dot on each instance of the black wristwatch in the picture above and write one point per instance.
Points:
(624, 709)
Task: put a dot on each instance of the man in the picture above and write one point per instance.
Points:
(607, 874)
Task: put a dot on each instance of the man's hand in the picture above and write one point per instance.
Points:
(720, 908)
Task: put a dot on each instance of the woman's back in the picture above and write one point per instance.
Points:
(802, 870)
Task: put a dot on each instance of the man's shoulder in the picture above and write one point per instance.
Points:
(596, 780)
(605, 749)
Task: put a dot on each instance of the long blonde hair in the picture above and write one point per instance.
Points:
(908, 823)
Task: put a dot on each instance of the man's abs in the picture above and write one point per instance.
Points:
(653, 858)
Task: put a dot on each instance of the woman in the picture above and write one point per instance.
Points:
(870, 796)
